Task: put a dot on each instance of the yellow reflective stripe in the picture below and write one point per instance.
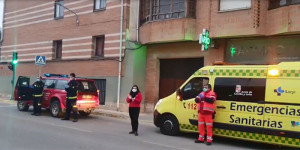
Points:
(75, 106)
(39, 104)
(74, 97)
(38, 95)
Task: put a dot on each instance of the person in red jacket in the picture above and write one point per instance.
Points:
(134, 99)
(206, 105)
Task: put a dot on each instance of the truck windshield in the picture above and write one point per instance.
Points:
(86, 86)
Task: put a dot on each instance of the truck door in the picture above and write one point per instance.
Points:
(22, 89)
(48, 90)
(187, 109)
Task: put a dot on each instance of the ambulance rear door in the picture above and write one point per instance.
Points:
(282, 108)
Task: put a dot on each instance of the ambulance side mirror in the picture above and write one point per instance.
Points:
(179, 95)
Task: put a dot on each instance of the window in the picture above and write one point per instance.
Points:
(57, 48)
(99, 45)
(85, 86)
(240, 89)
(59, 9)
(61, 84)
(193, 88)
(49, 84)
(166, 9)
(279, 3)
(99, 5)
(228, 5)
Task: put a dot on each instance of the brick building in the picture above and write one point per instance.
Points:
(242, 32)
(89, 46)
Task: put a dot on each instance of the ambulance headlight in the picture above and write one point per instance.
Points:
(158, 103)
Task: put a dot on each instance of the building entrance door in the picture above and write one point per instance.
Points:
(173, 73)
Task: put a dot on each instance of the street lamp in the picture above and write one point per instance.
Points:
(77, 20)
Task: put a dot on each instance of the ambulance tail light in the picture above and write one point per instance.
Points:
(273, 72)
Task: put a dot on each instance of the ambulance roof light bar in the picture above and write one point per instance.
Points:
(273, 72)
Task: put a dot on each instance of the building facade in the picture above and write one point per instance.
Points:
(82, 36)
(242, 32)
(159, 40)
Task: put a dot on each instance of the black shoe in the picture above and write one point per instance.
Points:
(75, 120)
(208, 143)
(33, 114)
(65, 119)
(37, 114)
(131, 132)
(136, 134)
(197, 141)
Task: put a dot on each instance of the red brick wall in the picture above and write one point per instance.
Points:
(256, 21)
(30, 28)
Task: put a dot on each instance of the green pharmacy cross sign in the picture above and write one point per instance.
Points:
(204, 39)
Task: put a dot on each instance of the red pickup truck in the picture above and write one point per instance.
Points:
(54, 94)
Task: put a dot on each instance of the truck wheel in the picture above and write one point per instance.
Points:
(169, 125)
(85, 113)
(55, 109)
(22, 106)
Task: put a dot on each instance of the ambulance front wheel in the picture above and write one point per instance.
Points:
(169, 125)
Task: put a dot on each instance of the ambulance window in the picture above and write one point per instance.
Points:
(193, 88)
(61, 84)
(49, 84)
(240, 89)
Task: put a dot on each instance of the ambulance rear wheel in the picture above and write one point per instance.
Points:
(169, 125)
(22, 106)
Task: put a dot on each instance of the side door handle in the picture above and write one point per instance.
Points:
(221, 107)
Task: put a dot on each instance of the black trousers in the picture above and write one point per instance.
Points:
(37, 106)
(134, 113)
(71, 106)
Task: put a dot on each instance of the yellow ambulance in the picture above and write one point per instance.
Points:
(254, 102)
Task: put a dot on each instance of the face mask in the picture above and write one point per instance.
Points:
(204, 89)
(71, 78)
(134, 90)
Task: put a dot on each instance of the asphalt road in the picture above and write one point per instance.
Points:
(21, 131)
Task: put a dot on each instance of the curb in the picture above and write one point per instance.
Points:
(120, 115)
(110, 114)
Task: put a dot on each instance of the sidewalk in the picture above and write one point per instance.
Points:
(144, 117)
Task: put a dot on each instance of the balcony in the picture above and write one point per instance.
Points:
(167, 21)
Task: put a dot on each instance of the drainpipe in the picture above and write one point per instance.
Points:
(120, 56)
(2, 33)
(138, 22)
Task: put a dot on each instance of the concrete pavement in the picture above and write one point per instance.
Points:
(104, 129)
(21, 131)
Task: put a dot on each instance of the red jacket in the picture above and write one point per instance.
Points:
(205, 107)
(136, 102)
